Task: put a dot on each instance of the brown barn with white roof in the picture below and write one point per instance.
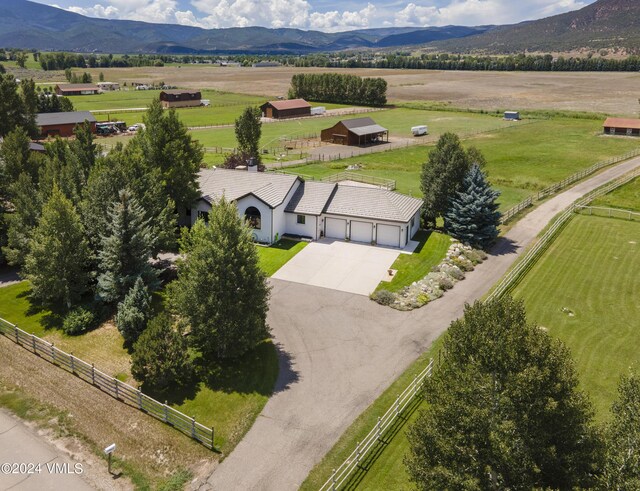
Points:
(358, 131)
(292, 108)
(622, 126)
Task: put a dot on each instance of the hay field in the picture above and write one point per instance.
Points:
(611, 93)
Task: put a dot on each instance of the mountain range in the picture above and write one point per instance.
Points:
(603, 24)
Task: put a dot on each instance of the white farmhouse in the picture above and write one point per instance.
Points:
(277, 205)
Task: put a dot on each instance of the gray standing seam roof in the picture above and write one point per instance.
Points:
(268, 187)
(357, 122)
(311, 198)
(74, 117)
(373, 203)
(368, 130)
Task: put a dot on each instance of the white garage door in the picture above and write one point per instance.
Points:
(388, 235)
(335, 228)
(361, 231)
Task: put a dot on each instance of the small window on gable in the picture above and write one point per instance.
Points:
(301, 219)
(204, 215)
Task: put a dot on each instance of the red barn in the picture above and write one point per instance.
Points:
(293, 108)
(622, 126)
(63, 124)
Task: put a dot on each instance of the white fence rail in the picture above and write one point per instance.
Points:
(529, 259)
(112, 386)
(602, 211)
(341, 474)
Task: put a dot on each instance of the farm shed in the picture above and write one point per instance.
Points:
(358, 131)
(180, 98)
(63, 124)
(512, 115)
(292, 108)
(76, 89)
(622, 126)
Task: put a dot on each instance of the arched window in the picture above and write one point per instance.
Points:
(252, 214)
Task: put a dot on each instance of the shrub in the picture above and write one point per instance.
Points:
(383, 297)
(445, 283)
(455, 272)
(422, 299)
(79, 321)
(463, 264)
(473, 255)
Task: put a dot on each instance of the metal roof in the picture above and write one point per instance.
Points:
(357, 122)
(74, 117)
(311, 198)
(289, 104)
(372, 129)
(625, 123)
(181, 91)
(268, 187)
(373, 203)
(76, 87)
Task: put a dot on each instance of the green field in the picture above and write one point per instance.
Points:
(520, 160)
(585, 291)
(29, 65)
(626, 197)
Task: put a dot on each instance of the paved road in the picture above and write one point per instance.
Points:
(18, 444)
(339, 352)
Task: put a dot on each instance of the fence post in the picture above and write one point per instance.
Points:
(15, 329)
(358, 452)
(333, 480)
(139, 399)
(378, 430)
(93, 373)
(117, 389)
(397, 405)
(166, 412)
(193, 427)
(73, 365)
(34, 345)
(53, 353)
(415, 386)
(213, 434)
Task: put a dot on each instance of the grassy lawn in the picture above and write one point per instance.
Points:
(521, 159)
(384, 468)
(591, 270)
(413, 267)
(626, 197)
(274, 257)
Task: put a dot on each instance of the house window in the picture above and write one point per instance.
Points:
(204, 215)
(301, 219)
(252, 214)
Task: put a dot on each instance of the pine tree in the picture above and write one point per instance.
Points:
(248, 130)
(220, 288)
(126, 250)
(160, 355)
(621, 470)
(133, 312)
(58, 254)
(442, 176)
(473, 217)
(504, 409)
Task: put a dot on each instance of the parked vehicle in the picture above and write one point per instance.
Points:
(205, 102)
(136, 127)
(419, 130)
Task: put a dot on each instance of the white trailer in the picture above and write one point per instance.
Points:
(317, 111)
(419, 130)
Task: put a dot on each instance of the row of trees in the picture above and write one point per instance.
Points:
(505, 412)
(455, 188)
(339, 88)
(62, 61)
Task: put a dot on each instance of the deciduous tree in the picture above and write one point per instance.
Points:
(248, 131)
(220, 289)
(505, 411)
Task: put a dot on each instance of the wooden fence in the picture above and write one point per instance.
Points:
(529, 259)
(554, 188)
(341, 474)
(380, 182)
(115, 388)
(601, 211)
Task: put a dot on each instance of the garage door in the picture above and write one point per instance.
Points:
(388, 235)
(335, 228)
(361, 231)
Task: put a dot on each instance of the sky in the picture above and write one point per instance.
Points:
(322, 15)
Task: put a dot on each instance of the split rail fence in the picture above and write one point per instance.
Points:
(112, 386)
(341, 474)
(554, 188)
(528, 260)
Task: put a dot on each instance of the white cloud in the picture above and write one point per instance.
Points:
(302, 14)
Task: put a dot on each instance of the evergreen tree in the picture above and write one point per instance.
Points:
(84, 148)
(166, 145)
(161, 356)
(126, 250)
(15, 157)
(58, 254)
(29, 99)
(220, 288)
(133, 312)
(22, 222)
(248, 131)
(505, 411)
(622, 464)
(12, 109)
(442, 176)
(473, 217)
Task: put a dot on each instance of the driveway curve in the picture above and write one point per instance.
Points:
(340, 351)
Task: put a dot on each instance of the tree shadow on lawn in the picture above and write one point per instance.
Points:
(421, 236)
(52, 317)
